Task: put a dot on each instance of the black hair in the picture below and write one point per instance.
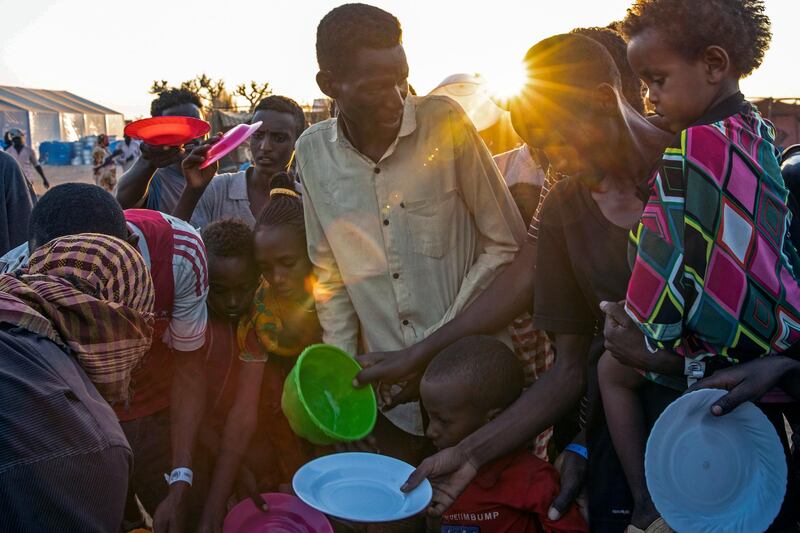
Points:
(283, 209)
(563, 71)
(487, 366)
(229, 237)
(741, 27)
(284, 104)
(790, 170)
(614, 43)
(351, 27)
(74, 208)
(172, 98)
(790, 151)
(572, 61)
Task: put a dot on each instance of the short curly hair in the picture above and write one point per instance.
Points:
(229, 237)
(172, 98)
(284, 104)
(73, 208)
(484, 364)
(351, 27)
(741, 27)
(632, 88)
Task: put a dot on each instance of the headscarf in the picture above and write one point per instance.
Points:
(92, 295)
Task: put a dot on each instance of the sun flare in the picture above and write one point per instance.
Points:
(505, 81)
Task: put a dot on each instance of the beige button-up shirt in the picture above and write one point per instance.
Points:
(402, 245)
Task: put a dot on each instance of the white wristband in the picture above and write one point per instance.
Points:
(693, 370)
(180, 474)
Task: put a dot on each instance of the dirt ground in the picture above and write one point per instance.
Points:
(66, 174)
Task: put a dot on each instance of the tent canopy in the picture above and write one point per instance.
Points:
(55, 115)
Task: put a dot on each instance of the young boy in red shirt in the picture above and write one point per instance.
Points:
(465, 386)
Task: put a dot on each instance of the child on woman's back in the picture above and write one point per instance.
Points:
(713, 280)
(465, 386)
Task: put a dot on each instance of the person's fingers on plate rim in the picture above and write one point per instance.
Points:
(722, 379)
(259, 502)
(368, 375)
(195, 156)
(201, 148)
(211, 141)
(733, 399)
(417, 476)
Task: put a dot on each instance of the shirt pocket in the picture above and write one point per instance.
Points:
(430, 225)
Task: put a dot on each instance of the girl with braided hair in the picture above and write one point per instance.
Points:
(281, 323)
(286, 321)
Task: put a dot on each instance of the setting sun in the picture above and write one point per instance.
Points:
(506, 80)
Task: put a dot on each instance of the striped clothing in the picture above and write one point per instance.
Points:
(713, 270)
(187, 327)
(176, 256)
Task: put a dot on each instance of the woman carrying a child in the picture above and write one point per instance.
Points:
(723, 164)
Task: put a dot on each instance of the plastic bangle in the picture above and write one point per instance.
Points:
(579, 449)
(180, 474)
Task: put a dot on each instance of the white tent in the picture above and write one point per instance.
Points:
(55, 115)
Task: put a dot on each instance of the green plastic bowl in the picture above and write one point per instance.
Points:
(319, 399)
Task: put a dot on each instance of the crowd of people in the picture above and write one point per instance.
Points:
(147, 335)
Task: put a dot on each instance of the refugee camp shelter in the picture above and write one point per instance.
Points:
(55, 115)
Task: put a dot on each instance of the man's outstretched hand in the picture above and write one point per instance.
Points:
(745, 382)
(398, 373)
(450, 471)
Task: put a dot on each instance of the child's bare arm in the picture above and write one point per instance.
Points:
(239, 428)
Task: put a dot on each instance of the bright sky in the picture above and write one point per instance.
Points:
(110, 52)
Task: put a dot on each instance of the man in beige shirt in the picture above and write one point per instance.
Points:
(408, 218)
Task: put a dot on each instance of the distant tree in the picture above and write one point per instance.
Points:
(214, 94)
(253, 93)
(159, 86)
(192, 86)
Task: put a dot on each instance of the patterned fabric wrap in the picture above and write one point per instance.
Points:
(91, 294)
(258, 332)
(714, 273)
